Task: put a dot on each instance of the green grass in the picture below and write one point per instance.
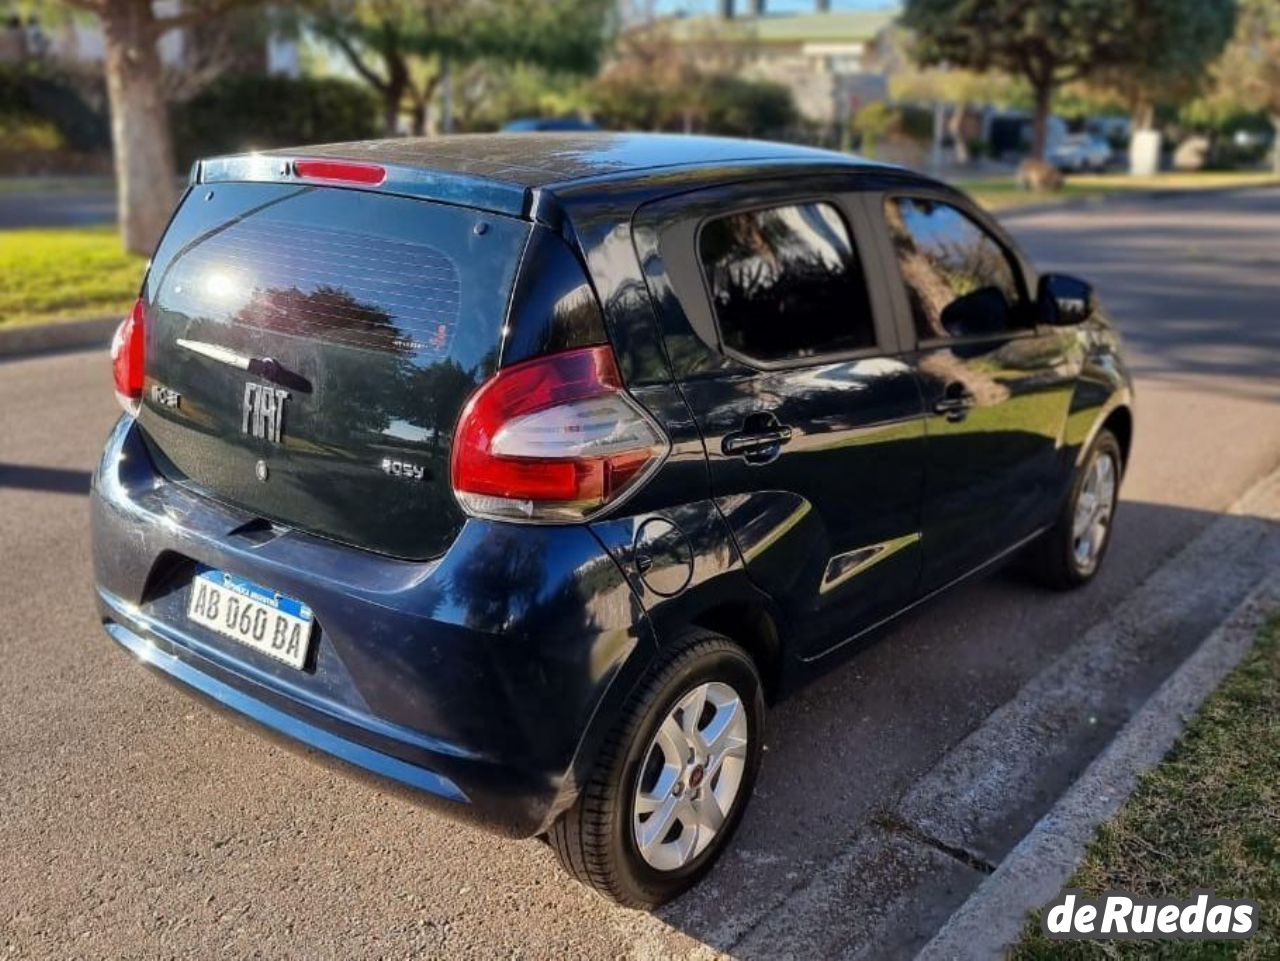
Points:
(65, 274)
(1207, 817)
(1002, 193)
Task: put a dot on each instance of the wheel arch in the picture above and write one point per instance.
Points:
(750, 625)
(1120, 423)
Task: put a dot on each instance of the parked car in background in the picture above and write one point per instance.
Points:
(1251, 138)
(1081, 152)
(525, 473)
(535, 124)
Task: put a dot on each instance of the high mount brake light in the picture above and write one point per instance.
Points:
(340, 171)
(127, 357)
(553, 439)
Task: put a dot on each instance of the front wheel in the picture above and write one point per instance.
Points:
(1070, 553)
(673, 777)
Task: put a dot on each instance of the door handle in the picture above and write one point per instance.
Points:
(955, 403)
(760, 440)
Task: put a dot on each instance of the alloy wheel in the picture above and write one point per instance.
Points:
(1095, 506)
(690, 776)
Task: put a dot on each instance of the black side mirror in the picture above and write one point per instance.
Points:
(1065, 300)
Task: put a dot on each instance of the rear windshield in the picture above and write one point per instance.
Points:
(424, 281)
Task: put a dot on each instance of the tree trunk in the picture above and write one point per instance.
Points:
(418, 117)
(1144, 115)
(141, 143)
(1275, 144)
(446, 96)
(391, 97)
(393, 91)
(956, 127)
(425, 116)
(1040, 121)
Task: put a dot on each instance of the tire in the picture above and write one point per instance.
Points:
(1057, 559)
(596, 839)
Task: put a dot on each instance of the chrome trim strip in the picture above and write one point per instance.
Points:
(990, 562)
(851, 563)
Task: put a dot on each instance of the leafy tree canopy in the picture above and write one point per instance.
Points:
(1049, 42)
(397, 46)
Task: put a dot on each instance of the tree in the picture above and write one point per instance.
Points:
(1046, 42)
(141, 142)
(874, 121)
(403, 48)
(1249, 72)
(1170, 46)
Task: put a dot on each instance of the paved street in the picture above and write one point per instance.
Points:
(76, 205)
(137, 822)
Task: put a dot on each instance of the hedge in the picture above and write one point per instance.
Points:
(234, 114)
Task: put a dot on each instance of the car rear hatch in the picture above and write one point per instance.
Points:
(309, 349)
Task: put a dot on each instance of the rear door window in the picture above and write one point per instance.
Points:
(960, 281)
(786, 283)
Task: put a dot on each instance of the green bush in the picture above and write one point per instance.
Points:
(244, 113)
(916, 124)
(38, 94)
(746, 108)
(24, 135)
(716, 103)
(874, 122)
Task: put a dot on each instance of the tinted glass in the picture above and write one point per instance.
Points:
(786, 283)
(959, 280)
(378, 315)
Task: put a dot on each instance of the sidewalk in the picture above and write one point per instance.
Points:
(902, 878)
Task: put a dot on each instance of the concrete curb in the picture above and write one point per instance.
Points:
(1038, 867)
(906, 876)
(67, 335)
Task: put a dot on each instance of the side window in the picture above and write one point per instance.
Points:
(785, 283)
(959, 280)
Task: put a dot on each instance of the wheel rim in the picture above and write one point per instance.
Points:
(1095, 506)
(690, 776)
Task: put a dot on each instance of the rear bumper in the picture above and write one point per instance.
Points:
(471, 680)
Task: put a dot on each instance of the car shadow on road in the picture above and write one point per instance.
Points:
(55, 480)
(843, 752)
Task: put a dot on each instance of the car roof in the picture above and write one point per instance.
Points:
(504, 172)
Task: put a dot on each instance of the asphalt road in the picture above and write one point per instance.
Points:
(138, 823)
(74, 206)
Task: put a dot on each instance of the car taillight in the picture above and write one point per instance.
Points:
(127, 358)
(553, 439)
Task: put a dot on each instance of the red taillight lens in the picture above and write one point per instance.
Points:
(127, 357)
(553, 439)
(340, 171)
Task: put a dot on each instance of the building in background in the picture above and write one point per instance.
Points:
(76, 42)
(829, 60)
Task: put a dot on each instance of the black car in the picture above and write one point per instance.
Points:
(524, 471)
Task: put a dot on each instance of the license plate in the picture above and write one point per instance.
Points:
(255, 616)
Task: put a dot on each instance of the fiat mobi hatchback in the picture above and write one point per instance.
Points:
(524, 471)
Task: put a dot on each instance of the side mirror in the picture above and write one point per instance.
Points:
(1065, 300)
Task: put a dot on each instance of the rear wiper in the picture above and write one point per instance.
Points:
(268, 368)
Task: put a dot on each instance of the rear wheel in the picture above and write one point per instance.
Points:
(1070, 553)
(673, 777)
